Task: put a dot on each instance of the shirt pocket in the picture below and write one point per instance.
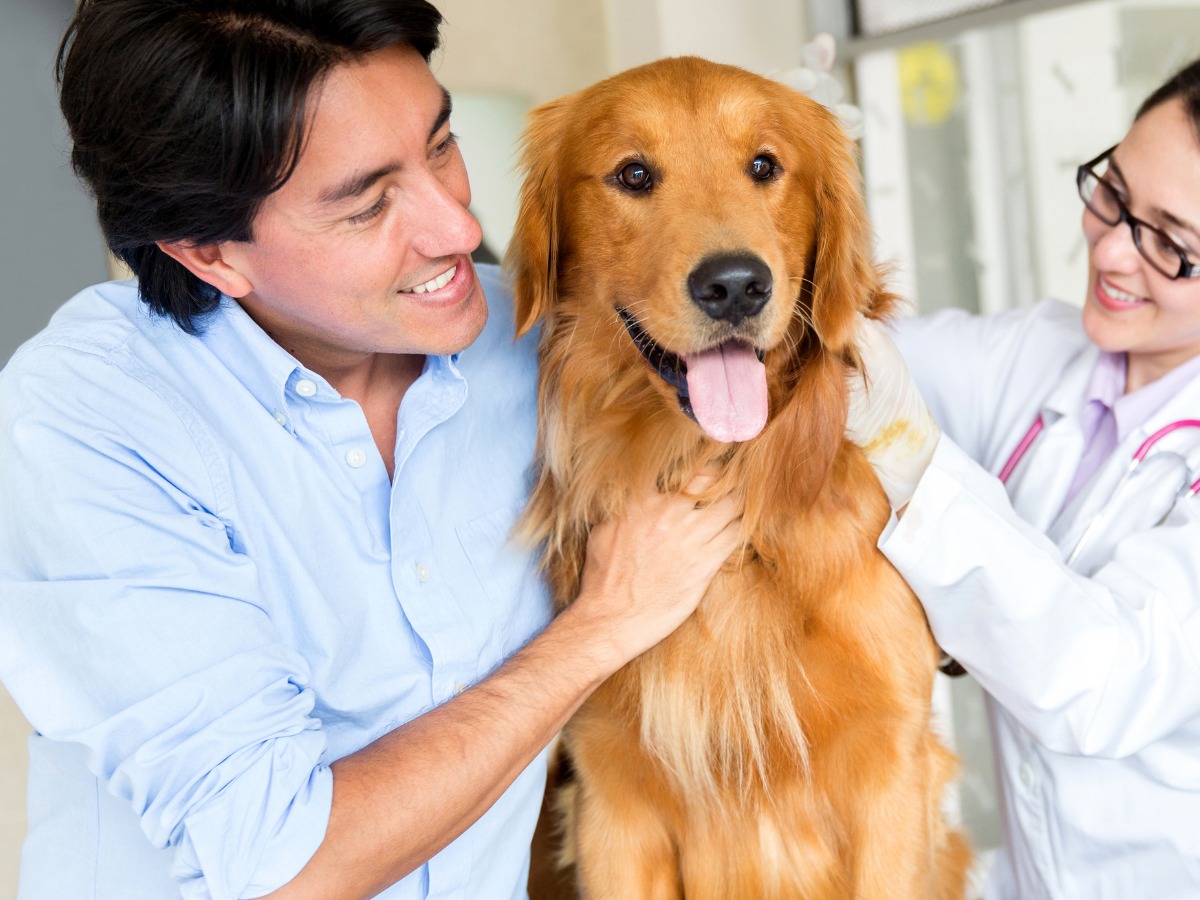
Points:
(515, 589)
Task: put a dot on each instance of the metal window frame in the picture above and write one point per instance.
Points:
(841, 21)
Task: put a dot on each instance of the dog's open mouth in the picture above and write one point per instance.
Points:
(723, 388)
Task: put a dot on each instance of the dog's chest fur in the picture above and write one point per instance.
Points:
(739, 696)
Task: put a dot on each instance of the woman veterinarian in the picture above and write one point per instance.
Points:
(1070, 587)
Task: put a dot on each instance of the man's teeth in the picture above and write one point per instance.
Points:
(440, 282)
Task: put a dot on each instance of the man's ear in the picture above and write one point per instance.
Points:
(208, 263)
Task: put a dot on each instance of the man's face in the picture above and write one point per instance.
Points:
(366, 248)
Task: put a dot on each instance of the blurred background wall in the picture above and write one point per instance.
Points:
(50, 246)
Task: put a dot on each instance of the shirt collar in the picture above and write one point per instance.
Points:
(1131, 411)
(245, 350)
(267, 370)
(1107, 381)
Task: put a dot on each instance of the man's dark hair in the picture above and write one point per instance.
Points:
(1184, 85)
(186, 114)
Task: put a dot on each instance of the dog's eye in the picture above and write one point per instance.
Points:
(635, 176)
(763, 168)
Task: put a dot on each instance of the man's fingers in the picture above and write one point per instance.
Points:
(712, 520)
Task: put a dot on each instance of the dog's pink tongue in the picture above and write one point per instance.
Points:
(728, 391)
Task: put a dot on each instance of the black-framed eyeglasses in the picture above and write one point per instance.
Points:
(1155, 246)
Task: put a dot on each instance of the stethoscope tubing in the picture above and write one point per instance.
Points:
(1143, 451)
(1139, 455)
(1022, 448)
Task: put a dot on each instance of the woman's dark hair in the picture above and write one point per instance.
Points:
(1184, 85)
(186, 114)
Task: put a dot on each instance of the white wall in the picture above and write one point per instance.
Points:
(760, 35)
(498, 60)
(539, 48)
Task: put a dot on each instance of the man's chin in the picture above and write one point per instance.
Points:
(457, 336)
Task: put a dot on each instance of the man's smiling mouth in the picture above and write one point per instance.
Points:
(434, 283)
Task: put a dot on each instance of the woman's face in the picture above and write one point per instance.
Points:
(1130, 306)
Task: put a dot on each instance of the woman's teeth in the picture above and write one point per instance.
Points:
(1118, 294)
(440, 282)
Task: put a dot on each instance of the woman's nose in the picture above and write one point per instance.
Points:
(1113, 248)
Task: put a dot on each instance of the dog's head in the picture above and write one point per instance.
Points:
(712, 213)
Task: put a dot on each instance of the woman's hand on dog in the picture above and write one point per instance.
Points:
(647, 571)
(888, 419)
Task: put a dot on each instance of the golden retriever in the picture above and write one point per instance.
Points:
(692, 239)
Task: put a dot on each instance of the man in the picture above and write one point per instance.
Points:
(256, 592)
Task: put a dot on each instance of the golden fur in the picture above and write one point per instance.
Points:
(778, 745)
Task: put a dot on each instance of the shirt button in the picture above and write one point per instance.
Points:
(355, 457)
(305, 388)
(459, 687)
(422, 573)
(281, 418)
(1025, 771)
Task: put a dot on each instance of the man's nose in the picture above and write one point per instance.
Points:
(443, 221)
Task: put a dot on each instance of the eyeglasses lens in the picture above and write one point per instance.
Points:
(1155, 246)
(1100, 199)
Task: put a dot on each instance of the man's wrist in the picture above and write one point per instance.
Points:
(588, 641)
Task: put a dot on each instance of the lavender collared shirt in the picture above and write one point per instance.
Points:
(1109, 414)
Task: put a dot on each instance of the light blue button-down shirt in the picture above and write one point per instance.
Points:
(210, 590)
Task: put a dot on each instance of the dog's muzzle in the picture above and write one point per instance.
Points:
(670, 367)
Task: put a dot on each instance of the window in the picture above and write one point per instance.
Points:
(973, 133)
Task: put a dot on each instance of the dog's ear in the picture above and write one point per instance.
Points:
(846, 281)
(532, 255)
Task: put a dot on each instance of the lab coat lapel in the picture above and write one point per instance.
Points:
(1040, 482)
(1070, 524)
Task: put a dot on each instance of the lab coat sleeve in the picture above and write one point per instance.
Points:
(1103, 666)
(130, 625)
(944, 353)
(967, 366)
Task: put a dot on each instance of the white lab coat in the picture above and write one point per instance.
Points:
(1093, 676)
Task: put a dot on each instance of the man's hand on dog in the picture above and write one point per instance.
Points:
(647, 571)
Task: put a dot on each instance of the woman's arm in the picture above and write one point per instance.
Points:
(1105, 665)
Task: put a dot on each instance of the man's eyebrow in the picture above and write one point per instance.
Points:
(443, 114)
(1168, 217)
(355, 185)
(359, 182)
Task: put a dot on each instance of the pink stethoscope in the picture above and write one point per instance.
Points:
(1139, 455)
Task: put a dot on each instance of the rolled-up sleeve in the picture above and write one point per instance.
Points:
(131, 625)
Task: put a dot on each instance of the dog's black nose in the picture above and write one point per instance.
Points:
(731, 287)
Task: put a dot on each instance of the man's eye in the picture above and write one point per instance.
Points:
(442, 148)
(368, 214)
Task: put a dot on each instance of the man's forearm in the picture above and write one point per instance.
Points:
(404, 797)
(401, 799)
